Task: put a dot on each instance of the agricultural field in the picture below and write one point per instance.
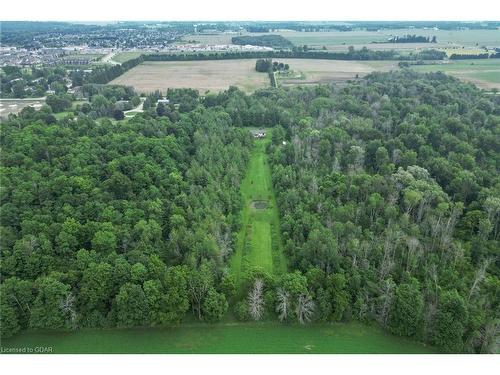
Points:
(313, 71)
(485, 73)
(200, 75)
(259, 242)
(230, 338)
(338, 41)
(341, 39)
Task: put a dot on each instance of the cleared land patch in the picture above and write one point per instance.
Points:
(8, 106)
(313, 71)
(201, 75)
(259, 242)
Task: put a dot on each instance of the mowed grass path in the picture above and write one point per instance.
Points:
(231, 338)
(259, 242)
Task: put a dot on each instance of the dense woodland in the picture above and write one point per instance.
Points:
(388, 191)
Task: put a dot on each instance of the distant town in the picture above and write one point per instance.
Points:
(29, 44)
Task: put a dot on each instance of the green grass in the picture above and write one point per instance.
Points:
(125, 56)
(259, 242)
(265, 337)
(62, 115)
(485, 73)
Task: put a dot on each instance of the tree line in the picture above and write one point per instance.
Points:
(413, 39)
(267, 40)
(352, 54)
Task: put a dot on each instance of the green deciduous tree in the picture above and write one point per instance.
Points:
(47, 311)
(405, 317)
(451, 319)
(131, 306)
(214, 306)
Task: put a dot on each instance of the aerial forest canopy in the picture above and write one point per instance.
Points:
(388, 193)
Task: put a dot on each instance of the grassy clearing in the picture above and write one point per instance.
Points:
(313, 71)
(259, 241)
(485, 73)
(125, 56)
(230, 338)
(201, 75)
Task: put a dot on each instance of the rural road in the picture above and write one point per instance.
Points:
(108, 59)
(138, 109)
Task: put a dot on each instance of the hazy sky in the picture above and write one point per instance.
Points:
(166, 10)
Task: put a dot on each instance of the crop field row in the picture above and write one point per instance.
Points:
(201, 75)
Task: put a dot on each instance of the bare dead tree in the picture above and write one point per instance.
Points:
(413, 244)
(199, 282)
(391, 239)
(256, 300)
(67, 305)
(447, 230)
(305, 308)
(434, 276)
(490, 338)
(297, 148)
(283, 306)
(223, 238)
(479, 277)
(386, 297)
(422, 207)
